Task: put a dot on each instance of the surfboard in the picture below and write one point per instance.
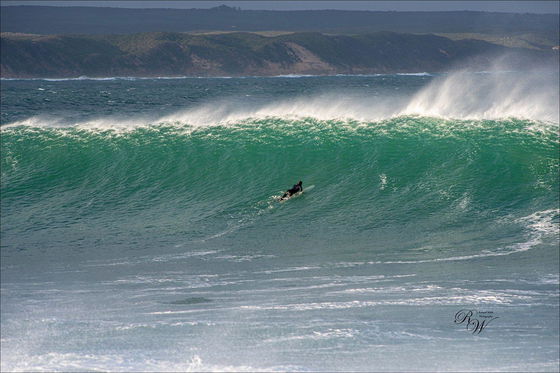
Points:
(307, 189)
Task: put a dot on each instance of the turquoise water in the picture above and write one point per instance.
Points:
(141, 228)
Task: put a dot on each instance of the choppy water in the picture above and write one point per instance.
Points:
(140, 227)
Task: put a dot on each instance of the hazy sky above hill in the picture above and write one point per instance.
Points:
(490, 6)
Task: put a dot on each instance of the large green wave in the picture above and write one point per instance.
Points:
(431, 175)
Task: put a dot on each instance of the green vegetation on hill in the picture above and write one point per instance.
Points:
(542, 41)
(214, 54)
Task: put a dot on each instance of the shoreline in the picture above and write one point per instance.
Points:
(286, 76)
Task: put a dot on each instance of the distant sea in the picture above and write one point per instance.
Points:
(140, 227)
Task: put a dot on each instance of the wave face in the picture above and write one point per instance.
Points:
(141, 228)
(441, 175)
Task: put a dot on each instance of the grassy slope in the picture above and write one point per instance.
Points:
(173, 54)
(539, 41)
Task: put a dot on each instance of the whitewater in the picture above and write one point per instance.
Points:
(141, 228)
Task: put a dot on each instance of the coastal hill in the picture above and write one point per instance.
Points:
(246, 54)
(101, 20)
(42, 41)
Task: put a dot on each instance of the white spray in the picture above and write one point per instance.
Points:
(532, 95)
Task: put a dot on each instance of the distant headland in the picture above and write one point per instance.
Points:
(177, 43)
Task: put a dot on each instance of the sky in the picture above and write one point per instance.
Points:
(552, 6)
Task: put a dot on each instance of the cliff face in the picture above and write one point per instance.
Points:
(235, 54)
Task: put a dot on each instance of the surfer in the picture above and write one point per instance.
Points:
(295, 189)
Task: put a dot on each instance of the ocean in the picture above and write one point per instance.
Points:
(141, 228)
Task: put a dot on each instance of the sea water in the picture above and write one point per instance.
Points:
(140, 227)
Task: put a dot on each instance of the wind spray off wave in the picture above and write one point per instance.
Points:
(460, 95)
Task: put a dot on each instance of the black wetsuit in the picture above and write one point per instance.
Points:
(295, 189)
